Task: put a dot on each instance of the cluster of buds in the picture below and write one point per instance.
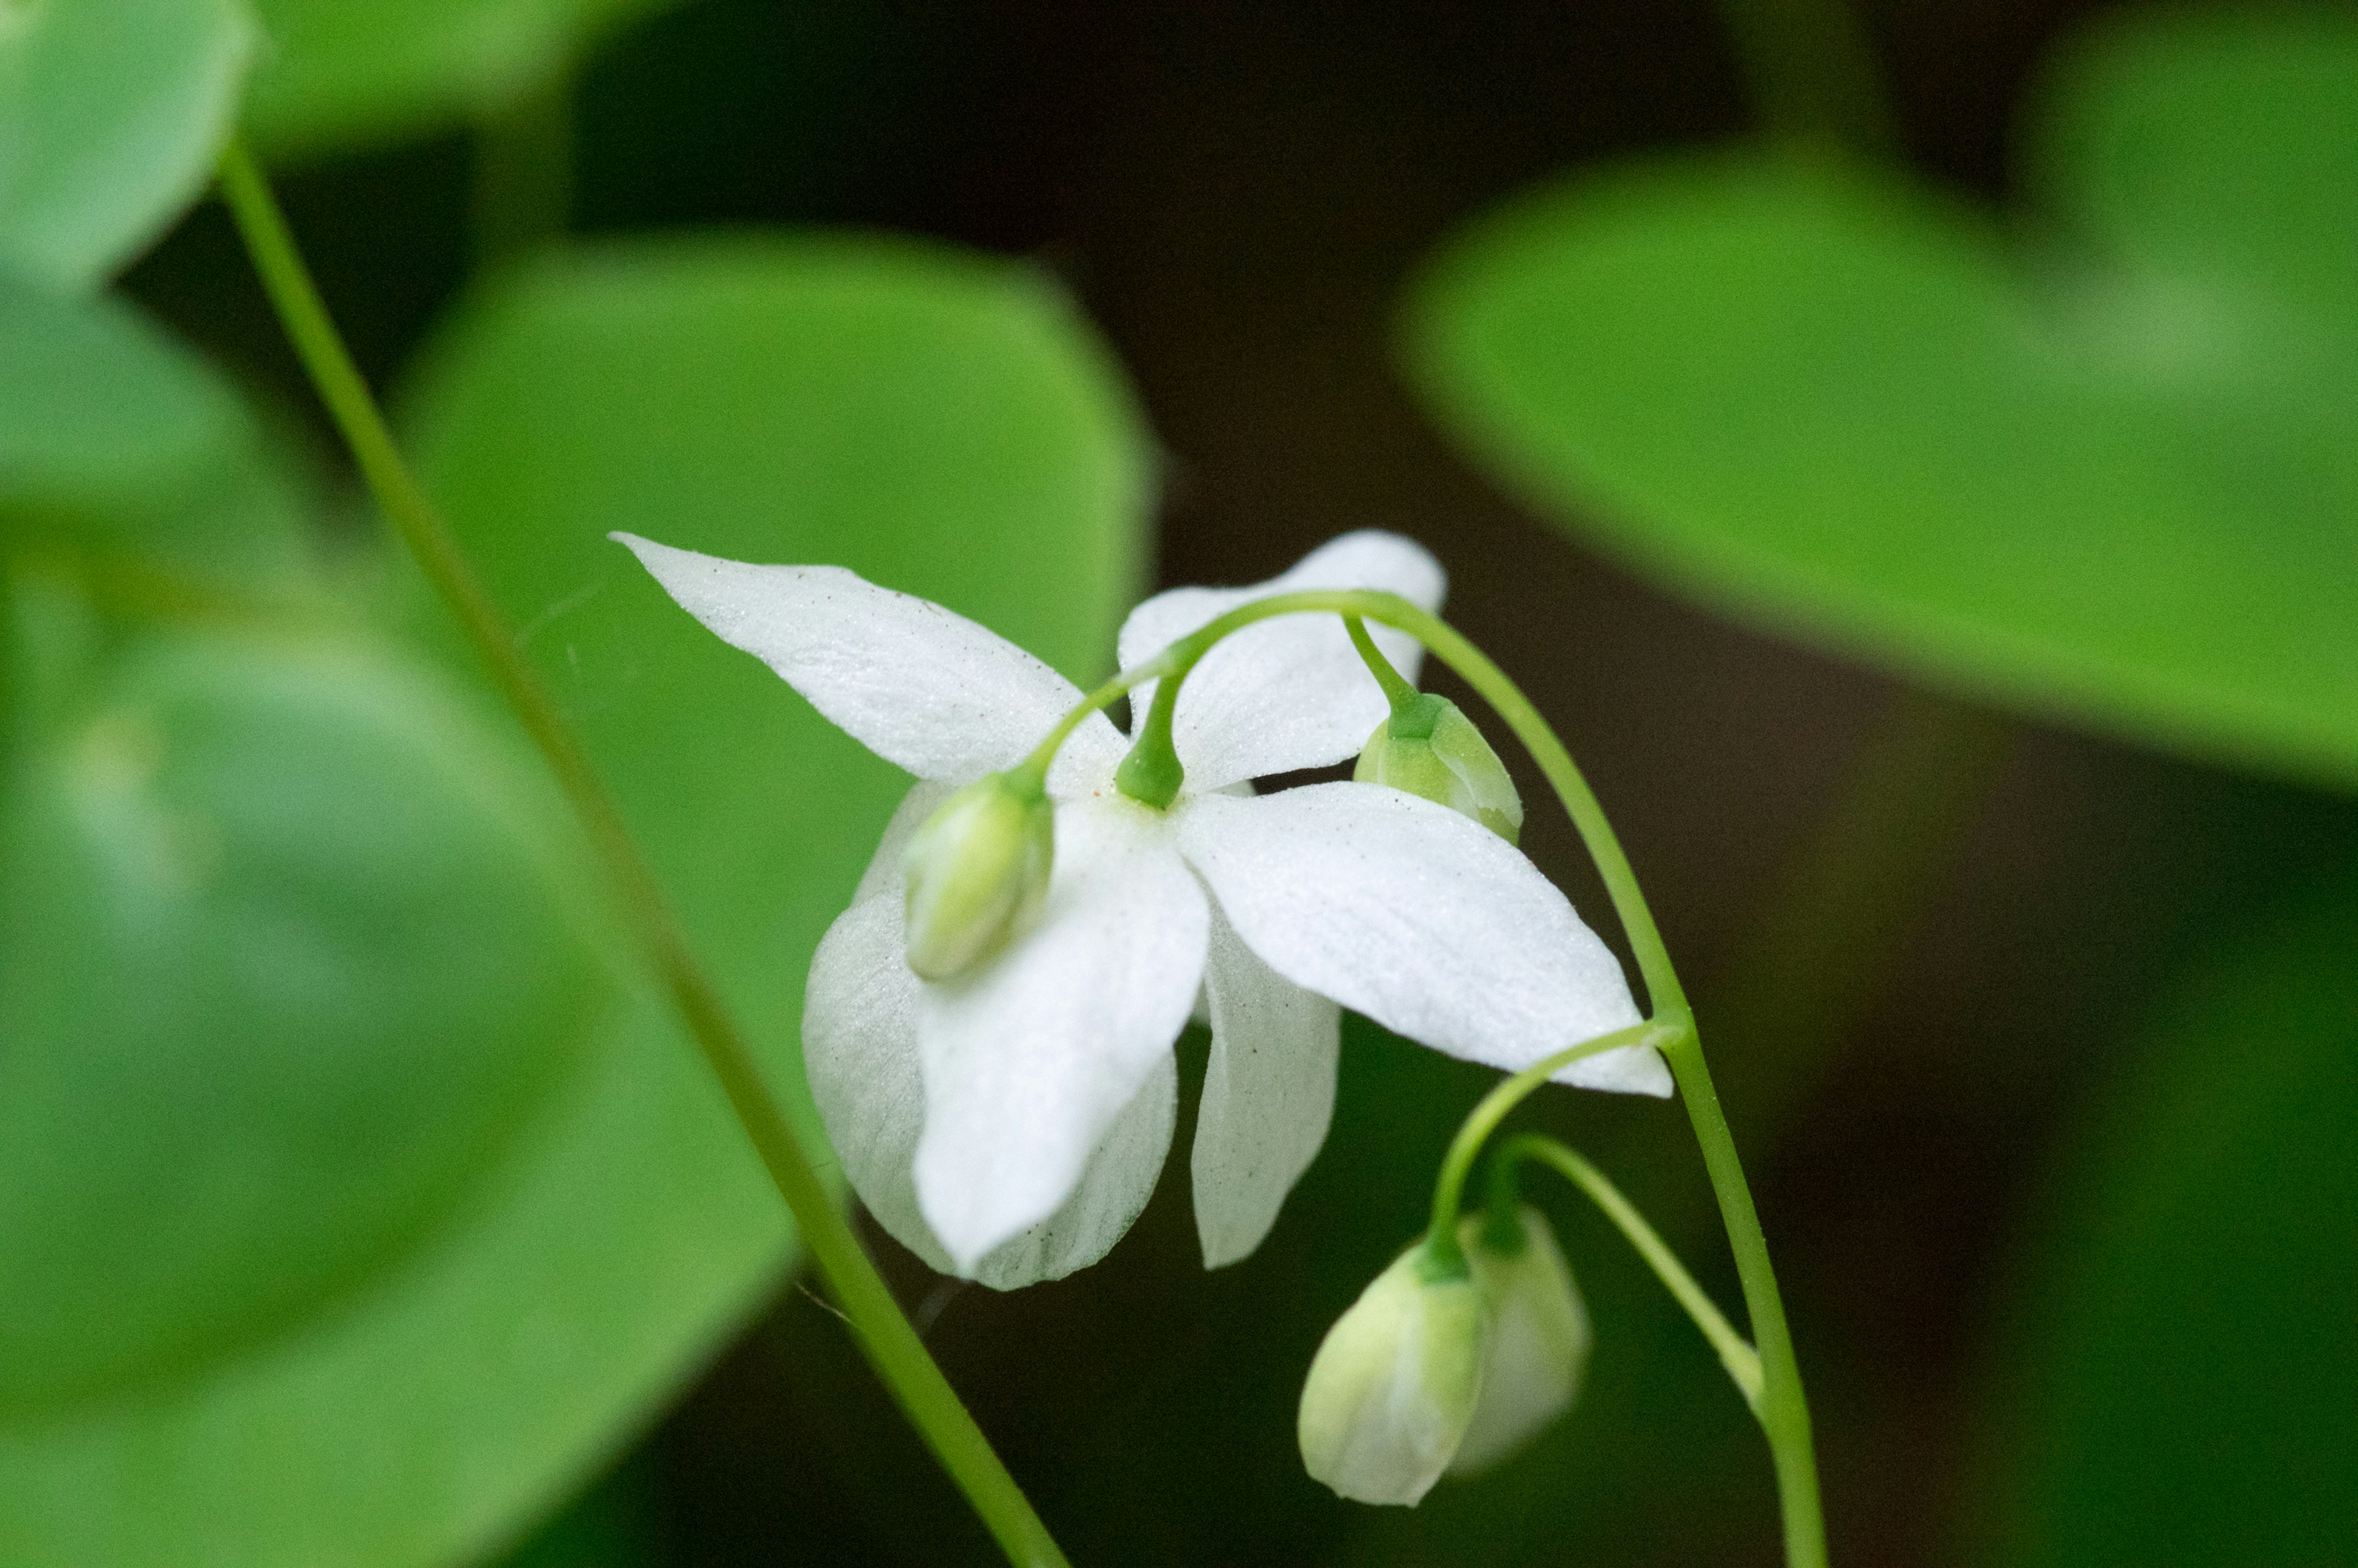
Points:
(1449, 1362)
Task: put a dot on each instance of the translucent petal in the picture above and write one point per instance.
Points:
(1426, 921)
(859, 1049)
(1287, 693)
(1027, 1062)
(1268, 1094)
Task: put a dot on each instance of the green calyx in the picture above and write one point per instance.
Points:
(978, 872)
(1151, 774)
(1429, 748)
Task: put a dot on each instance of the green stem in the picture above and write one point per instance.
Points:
(1449, 1187)
(884, 1333)
(1783, 1408)
(1743, 1363)
(1784, 1411)
(1396, 692)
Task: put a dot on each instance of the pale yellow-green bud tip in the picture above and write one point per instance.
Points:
(1539, 1338)
(977, 870)
(1432, 750)
(1394, 1384)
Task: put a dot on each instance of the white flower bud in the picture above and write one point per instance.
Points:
(1435, 751)
(1394, 1384)
(977, 871)
(1539, 1338)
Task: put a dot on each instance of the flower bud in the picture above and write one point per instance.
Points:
(1432, 749)
(977, 870)
(1539, 1338)
(1394, 1383)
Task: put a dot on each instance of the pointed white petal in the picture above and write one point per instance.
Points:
(1424, 920)
(912, 681)
(859, 1050)
(1027, 1062)
(1269, 1093)
(1287, 693)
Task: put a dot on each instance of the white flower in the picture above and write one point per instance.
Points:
(1021, 1113)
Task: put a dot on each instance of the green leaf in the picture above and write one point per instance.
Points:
(119, 445)
(2117, 483)
(350, 73)
(111, 115)
(278, 981)
(2179, 1387)
(943, 424)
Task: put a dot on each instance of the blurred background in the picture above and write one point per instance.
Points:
(1958, 968)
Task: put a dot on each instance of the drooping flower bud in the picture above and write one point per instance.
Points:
(1395, 1383)
(1539, 1336)
(1430, 747)
(977, 871)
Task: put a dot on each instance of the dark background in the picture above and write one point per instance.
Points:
(1237, 194)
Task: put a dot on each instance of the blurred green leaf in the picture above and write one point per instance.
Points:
(2181, 1385)
(616, 1522)
(2117, 483)
(118, 444)
(944, 423)
(111, 113)
(350, 73)
(278, 981)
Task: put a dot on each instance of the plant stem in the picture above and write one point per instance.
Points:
(1449, 1187)
(1397, 691)
(884, 1333)
(1743, 1363)
(1783, 1409)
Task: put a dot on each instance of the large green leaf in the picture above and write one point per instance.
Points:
(277, 981)
(2182, 1383)
(2116, 480)
(118, 445)
(944, 423)
(345, 73)
(111, 113)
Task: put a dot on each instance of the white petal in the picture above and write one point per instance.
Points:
(1287, 693)
(1027, 1063)
(859, 1050)
(1426, 921)
(1269, 1093)
(912, 681)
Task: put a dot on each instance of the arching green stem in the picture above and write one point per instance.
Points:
(884, 1333)
(1397, 691)
(1783, 1408)
(1736, 1353)
(1449, 1188)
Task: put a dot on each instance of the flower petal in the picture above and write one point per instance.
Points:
(1027, 1063)
(1424, 920)
(1268, 1094)
(859, 1050)
(912, 681)
(1287, 693)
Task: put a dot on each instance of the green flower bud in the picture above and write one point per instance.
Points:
(1430, 747)
(1539, 1336)
(977, 870)
(1394, 1383)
